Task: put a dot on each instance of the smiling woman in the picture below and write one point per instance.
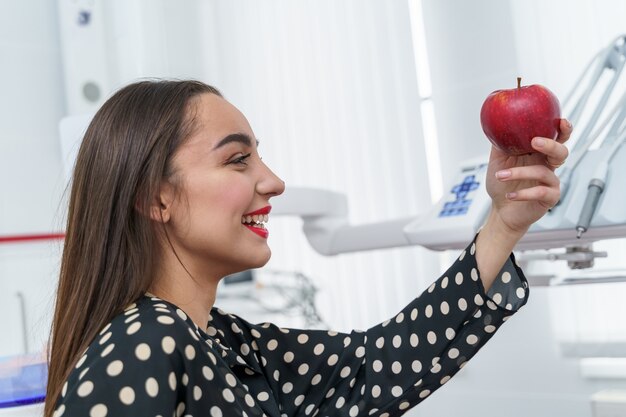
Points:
(169, 195)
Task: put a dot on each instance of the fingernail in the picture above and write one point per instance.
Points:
(539, 142)
(503, 174)
(511, 196)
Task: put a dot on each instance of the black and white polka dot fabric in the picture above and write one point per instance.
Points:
(152, 360)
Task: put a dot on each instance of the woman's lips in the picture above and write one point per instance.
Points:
(264, 233)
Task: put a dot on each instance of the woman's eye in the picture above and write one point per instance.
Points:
(241, 160)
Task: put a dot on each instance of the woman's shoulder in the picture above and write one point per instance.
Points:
(149, 321)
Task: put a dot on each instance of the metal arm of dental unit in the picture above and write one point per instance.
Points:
(592, 200)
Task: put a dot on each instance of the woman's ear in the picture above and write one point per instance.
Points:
(161, 207)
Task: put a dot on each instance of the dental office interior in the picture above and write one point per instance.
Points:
(369, 110)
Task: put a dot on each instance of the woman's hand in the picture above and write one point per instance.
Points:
(523, 188)
(518, 199)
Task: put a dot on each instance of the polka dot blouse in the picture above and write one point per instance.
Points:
(152, 360)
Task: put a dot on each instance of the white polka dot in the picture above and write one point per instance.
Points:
(319, 348)
(231, 380)
(354, 411)
(298, 401)
(462, 255)
(127, 395)
(345, 372)
(432, 337)
(432, 287)
(82, 374)
(309, 409)
(287, 387)
(249, 400)
(458, 278)
(64, 390)
(228, 395)
(332, 359)
(263, 396)
(115, 368)
(133, 328)
(450, 333)
(436, 368)
(245, 349)
(396, 391)
(340, 402)
(444, 282)
(360, 352)
(255, 333)
(303, 369)
(190, 352)
(347, 341)
(426, 392)
(490, 329)
(377, 365)
(414, 314)
(474, 274)
(303, 338)
(396, 367)
(506, 277)
(471, 339)
(288, 357)
(216, 411)
(82, 360)
(104, 338)
(235, 328)
(397, 341)
(429, 311)
(98, 410)
(416, 366)
(453, 353)
(380, 342)
(520, 293)
(400, 318)
(142, 351)
(276, 375)
(105, 328)
(165, 320)
(152, 387)
(478, 300)
(172, 381)
(207, 373)
(197, 393)
(330, 393)
(272, 344)
(491, 305)
(375, 391)
(385, 323)
(473, 249)
(59, 411)
(444, 379)
(445, 308)
(168, 344)
(414, 340)
(180, 409)
(497, 298)
(85, 389)
(131, 318)
(462, 304)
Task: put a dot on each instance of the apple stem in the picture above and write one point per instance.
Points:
(519, 82)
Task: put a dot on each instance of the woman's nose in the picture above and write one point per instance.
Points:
(270, 184)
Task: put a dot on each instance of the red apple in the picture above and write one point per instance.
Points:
(512, 118)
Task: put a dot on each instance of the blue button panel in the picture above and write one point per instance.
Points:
(461, 204)
(22, 381)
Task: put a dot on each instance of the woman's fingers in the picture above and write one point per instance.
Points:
(539, 173)
(565, 131)
(556, 153)
(547, 196)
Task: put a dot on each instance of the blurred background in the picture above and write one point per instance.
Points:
(378, 100)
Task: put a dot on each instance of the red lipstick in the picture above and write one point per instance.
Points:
(264, 210)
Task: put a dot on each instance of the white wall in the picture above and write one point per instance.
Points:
(31, 180)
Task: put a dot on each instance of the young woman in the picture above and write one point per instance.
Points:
(169, 195)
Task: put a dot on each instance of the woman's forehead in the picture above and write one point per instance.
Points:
(216, 118)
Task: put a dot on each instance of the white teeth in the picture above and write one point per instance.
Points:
(259, 219)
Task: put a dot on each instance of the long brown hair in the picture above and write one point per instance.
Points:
(110, 244)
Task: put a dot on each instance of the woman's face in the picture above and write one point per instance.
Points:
(221, 179)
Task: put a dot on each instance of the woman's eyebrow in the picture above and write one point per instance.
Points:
(236, 137)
